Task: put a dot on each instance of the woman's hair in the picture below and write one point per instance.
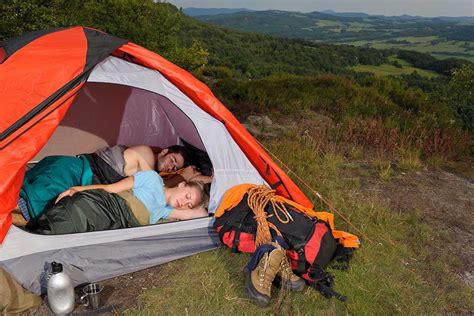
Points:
(203, 189)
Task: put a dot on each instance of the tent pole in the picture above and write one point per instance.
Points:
(317, 194)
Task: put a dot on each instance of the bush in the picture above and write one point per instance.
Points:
(218, 72)
(381, 117)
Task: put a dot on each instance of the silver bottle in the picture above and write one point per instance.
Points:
(60, 291)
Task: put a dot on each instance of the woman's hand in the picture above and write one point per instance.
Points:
(204, 179)
(189, 173)
(68, 192)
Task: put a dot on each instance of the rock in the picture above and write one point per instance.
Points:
(259, 120)
(262, 126)
(468, 278)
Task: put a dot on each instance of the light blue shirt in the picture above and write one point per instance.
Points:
(148, 187)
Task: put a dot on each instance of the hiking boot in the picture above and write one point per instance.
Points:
(258, 282)
(297, 284)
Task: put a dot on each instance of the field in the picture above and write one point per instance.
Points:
(433, 45)
(391, 70)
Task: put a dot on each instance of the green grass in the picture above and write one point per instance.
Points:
(410, 160)
(327, 23)
(401, 272)
(391, 70)
(384, 169)
(444, 49)
(358, 26)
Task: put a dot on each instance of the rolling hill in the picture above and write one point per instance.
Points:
(442, 37)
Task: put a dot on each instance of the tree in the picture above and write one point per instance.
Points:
(152, 25)
(462, 94)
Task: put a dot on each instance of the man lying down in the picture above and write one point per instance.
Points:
(141, 199)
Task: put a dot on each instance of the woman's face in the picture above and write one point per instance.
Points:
(184, 197)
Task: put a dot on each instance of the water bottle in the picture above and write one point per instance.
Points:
(60, 291)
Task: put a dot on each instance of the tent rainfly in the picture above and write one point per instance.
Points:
(74, 90)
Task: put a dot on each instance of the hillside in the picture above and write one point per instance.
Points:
(212, 11)
(263, 55)
(442, 37)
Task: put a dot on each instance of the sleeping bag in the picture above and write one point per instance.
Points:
(86, 211)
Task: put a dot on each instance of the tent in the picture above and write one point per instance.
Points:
(73, 90)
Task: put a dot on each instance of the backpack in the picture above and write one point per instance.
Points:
(309, 237)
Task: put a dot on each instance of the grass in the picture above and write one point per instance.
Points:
(436, 162)
(391, 70)
(410, 160)
(444, 49)
(356, 152)
(384, 168)
(399, 273)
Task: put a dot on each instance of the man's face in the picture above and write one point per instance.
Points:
(169, 162)
(184, 197)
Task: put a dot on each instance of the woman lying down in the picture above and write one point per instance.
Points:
(141, 199)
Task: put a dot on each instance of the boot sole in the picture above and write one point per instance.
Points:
(256, 297)
(298, 286)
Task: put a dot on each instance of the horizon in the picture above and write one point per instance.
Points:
(423, 8)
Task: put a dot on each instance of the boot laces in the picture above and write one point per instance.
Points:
(265, 281)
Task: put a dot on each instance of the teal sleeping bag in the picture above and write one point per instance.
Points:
(50, 177)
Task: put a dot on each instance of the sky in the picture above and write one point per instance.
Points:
(428, 8)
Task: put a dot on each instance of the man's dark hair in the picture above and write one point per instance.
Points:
(183, 151)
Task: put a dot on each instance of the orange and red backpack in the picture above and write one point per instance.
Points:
(311, 241)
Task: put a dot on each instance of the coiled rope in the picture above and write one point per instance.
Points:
(258, 198)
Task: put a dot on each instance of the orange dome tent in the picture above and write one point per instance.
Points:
(73, 90)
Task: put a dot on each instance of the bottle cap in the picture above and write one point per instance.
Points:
(57, 267)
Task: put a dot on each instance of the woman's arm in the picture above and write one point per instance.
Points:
(190, 173)
(188, 214)
(122, 185)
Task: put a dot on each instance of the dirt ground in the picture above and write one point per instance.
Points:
(442, 198)
(119, 294)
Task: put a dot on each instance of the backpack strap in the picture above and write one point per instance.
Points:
(328, 292)
(301, 264)
(323, 282)
(224, 229)
(235, 243)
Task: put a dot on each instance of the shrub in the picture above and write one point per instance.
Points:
(410, 160)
